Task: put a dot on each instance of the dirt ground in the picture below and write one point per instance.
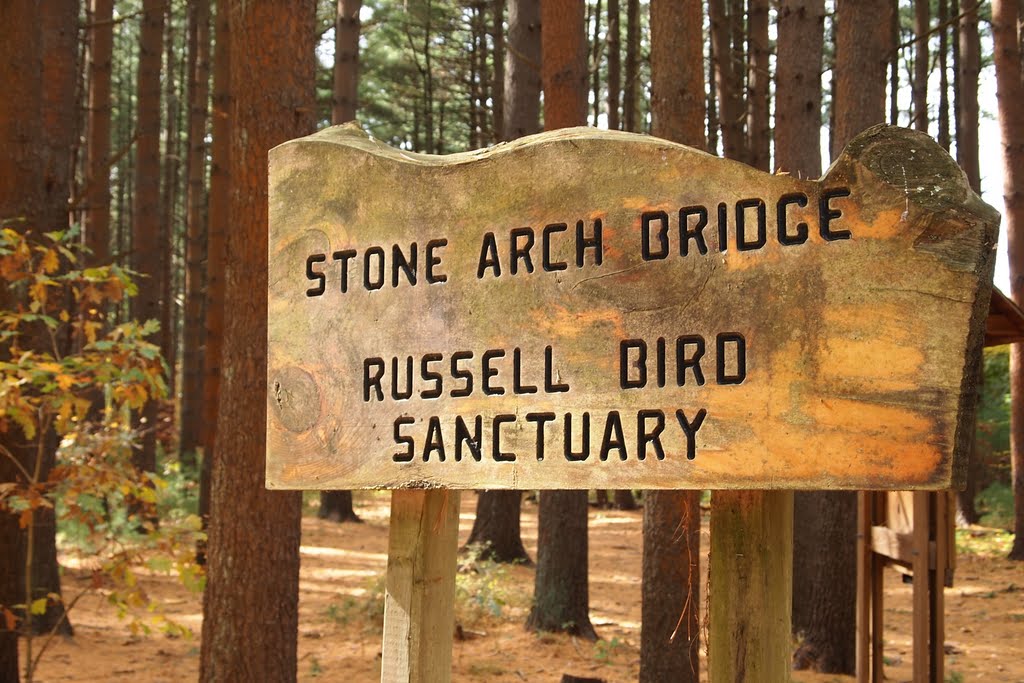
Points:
(339, 631)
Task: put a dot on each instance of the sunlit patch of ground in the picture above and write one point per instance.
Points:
(341, 597)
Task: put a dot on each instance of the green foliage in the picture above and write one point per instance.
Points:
(983, 542)
(995, 504)
(994, 404)
(481, 588)
(604, 650)
(70, 380)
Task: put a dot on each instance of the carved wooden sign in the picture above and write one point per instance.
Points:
(586, 309)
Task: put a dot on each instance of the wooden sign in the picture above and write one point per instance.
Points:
(591, 309)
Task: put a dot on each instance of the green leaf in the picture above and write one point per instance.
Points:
(39, 606)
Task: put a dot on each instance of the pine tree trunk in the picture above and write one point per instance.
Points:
(629, 97)
(624, 499)
(670, 632)
(1006, 40)
(496, 527)
(498, 76)
(943, 18)
(168, 200)
(195, 244)
(614, 64)
(758, 79)
(97, 214)
(967, 112)
(337, 505)
(922, 9)
(148, 249)
(250, 608)
(216, 255)
(21, 195)
(894, 66)
(863, 43)
(561, 598)
(522, 77)
(727, 82)
(797, 120)
(60, 125)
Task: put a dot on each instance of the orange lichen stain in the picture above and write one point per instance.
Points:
(878, 319)
(861, 417)
(642, 204)
(887, 224)
(560, 322)
(877, 359)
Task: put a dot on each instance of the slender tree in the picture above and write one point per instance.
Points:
(967, 89)
(630, 102)
(922, 24)
(496, 527)
(798, 120)
(669, 632)
(863, 45)
(614, 64)
(1006, 38)
(97, 199)
(943, 114)
(561, 599)
(195, 242)
(250, 607)
(148, 249)
(758, 78)
(727, 81)
(337, 505)
(498, 62)
(595, 62)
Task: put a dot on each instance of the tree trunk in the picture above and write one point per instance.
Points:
(522, 77)
(216, 256)
(250, 608)
(967, 112)
(727, 82)
(97, 213)
(594, 63)
(894, 65)
(943, 18)
(561, 598)
(21, 196)
(670, 632)
(148, 249)
(337, 505)
(496, 527)
(797, 120)
(828, 519)
(60, 127)
(168, 201)
(614, 65)
(1006, 40)
(629, 98)
(624, 499)
(195, 244)
(758, 78)
(498, 77)
(922, 18)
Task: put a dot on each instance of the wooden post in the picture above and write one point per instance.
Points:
(751, 586)
(419, 608)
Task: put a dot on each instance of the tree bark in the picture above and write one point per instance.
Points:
(798, 121)
(148, 249)
(967, 112)
(1006, 40)
(943, 114)
(168, 203)
(337, 505)
(594, 63)
(97, 213)
(195, 243)
(614, 64)
(561, 597)
(862, 48)
(496, 527)
(250, 607)
(629, 97)
(727, 82)
(21, 196)
(498, 77)
(60, 128)
(216, 256)
(670, 632)
(522, 77)
(922, 19)
(758, 78)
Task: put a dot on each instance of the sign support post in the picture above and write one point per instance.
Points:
(751, 576)
(419, 602)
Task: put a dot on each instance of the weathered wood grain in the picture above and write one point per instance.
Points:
(858, 337)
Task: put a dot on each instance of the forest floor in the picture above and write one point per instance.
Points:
(341, 600)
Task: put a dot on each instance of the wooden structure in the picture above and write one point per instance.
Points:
(913, 532)
(592, 309)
